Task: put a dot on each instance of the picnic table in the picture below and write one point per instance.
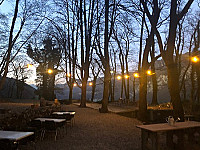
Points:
(68, 115)
(52, 124)
(151, 132)
(51, 119)
(64, 113)
(14, 137)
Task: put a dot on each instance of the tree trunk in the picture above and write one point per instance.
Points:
(70, 93)
(127, 91)
(174, 91)
(192, 85)
(143, 79)
(143, 96)
(110, 90)
(104, 108)
(93, 88)
(10, 46)
(154, 80)
(155, 88)
(17, 93)
(83, 93)
(184, 92)
(113, 89)
(133, 89)
(44, 88)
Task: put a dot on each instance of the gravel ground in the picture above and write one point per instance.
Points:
(94, 130)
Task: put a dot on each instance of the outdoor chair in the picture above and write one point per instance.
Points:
(50, 126)
(36, 127)
(6, 144)
(72, 116)
(69, 119)
(28, 142)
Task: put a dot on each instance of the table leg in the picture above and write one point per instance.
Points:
(155, 141)
(190, 134)
(144, 139)
(180, 144)
(169, 139)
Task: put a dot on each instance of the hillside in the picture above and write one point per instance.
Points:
(10, 90)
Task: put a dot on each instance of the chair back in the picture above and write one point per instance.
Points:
(36, 123)
(68, 117)
(6, 144)
(49, 125)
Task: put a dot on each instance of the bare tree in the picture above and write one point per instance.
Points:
(167, 54)
(104, 56)
(4, 68)
(86, 54)
(1, 2)
(144, 67)
(95, 72)
(9, 55)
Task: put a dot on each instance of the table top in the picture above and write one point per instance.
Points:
(167, 127)
(64, 113)
(51, 119)
(14, 135)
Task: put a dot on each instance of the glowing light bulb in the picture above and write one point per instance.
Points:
(149, 72)
(126, 76)
(50, 71)
(136, 75)
(29, 65)
(68, 75)
(119, 77)
(195, 59)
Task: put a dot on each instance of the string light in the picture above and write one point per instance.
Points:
(50, 71)
(136, 75)
(126, 76)
(195, 59)
(119, 77)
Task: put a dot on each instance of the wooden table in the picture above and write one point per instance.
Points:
(179, 129)
(14, 135)
(51, 119)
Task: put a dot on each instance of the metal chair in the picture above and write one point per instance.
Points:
(37, 127)
(50, 126)
(28, 141)
(6, 144)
